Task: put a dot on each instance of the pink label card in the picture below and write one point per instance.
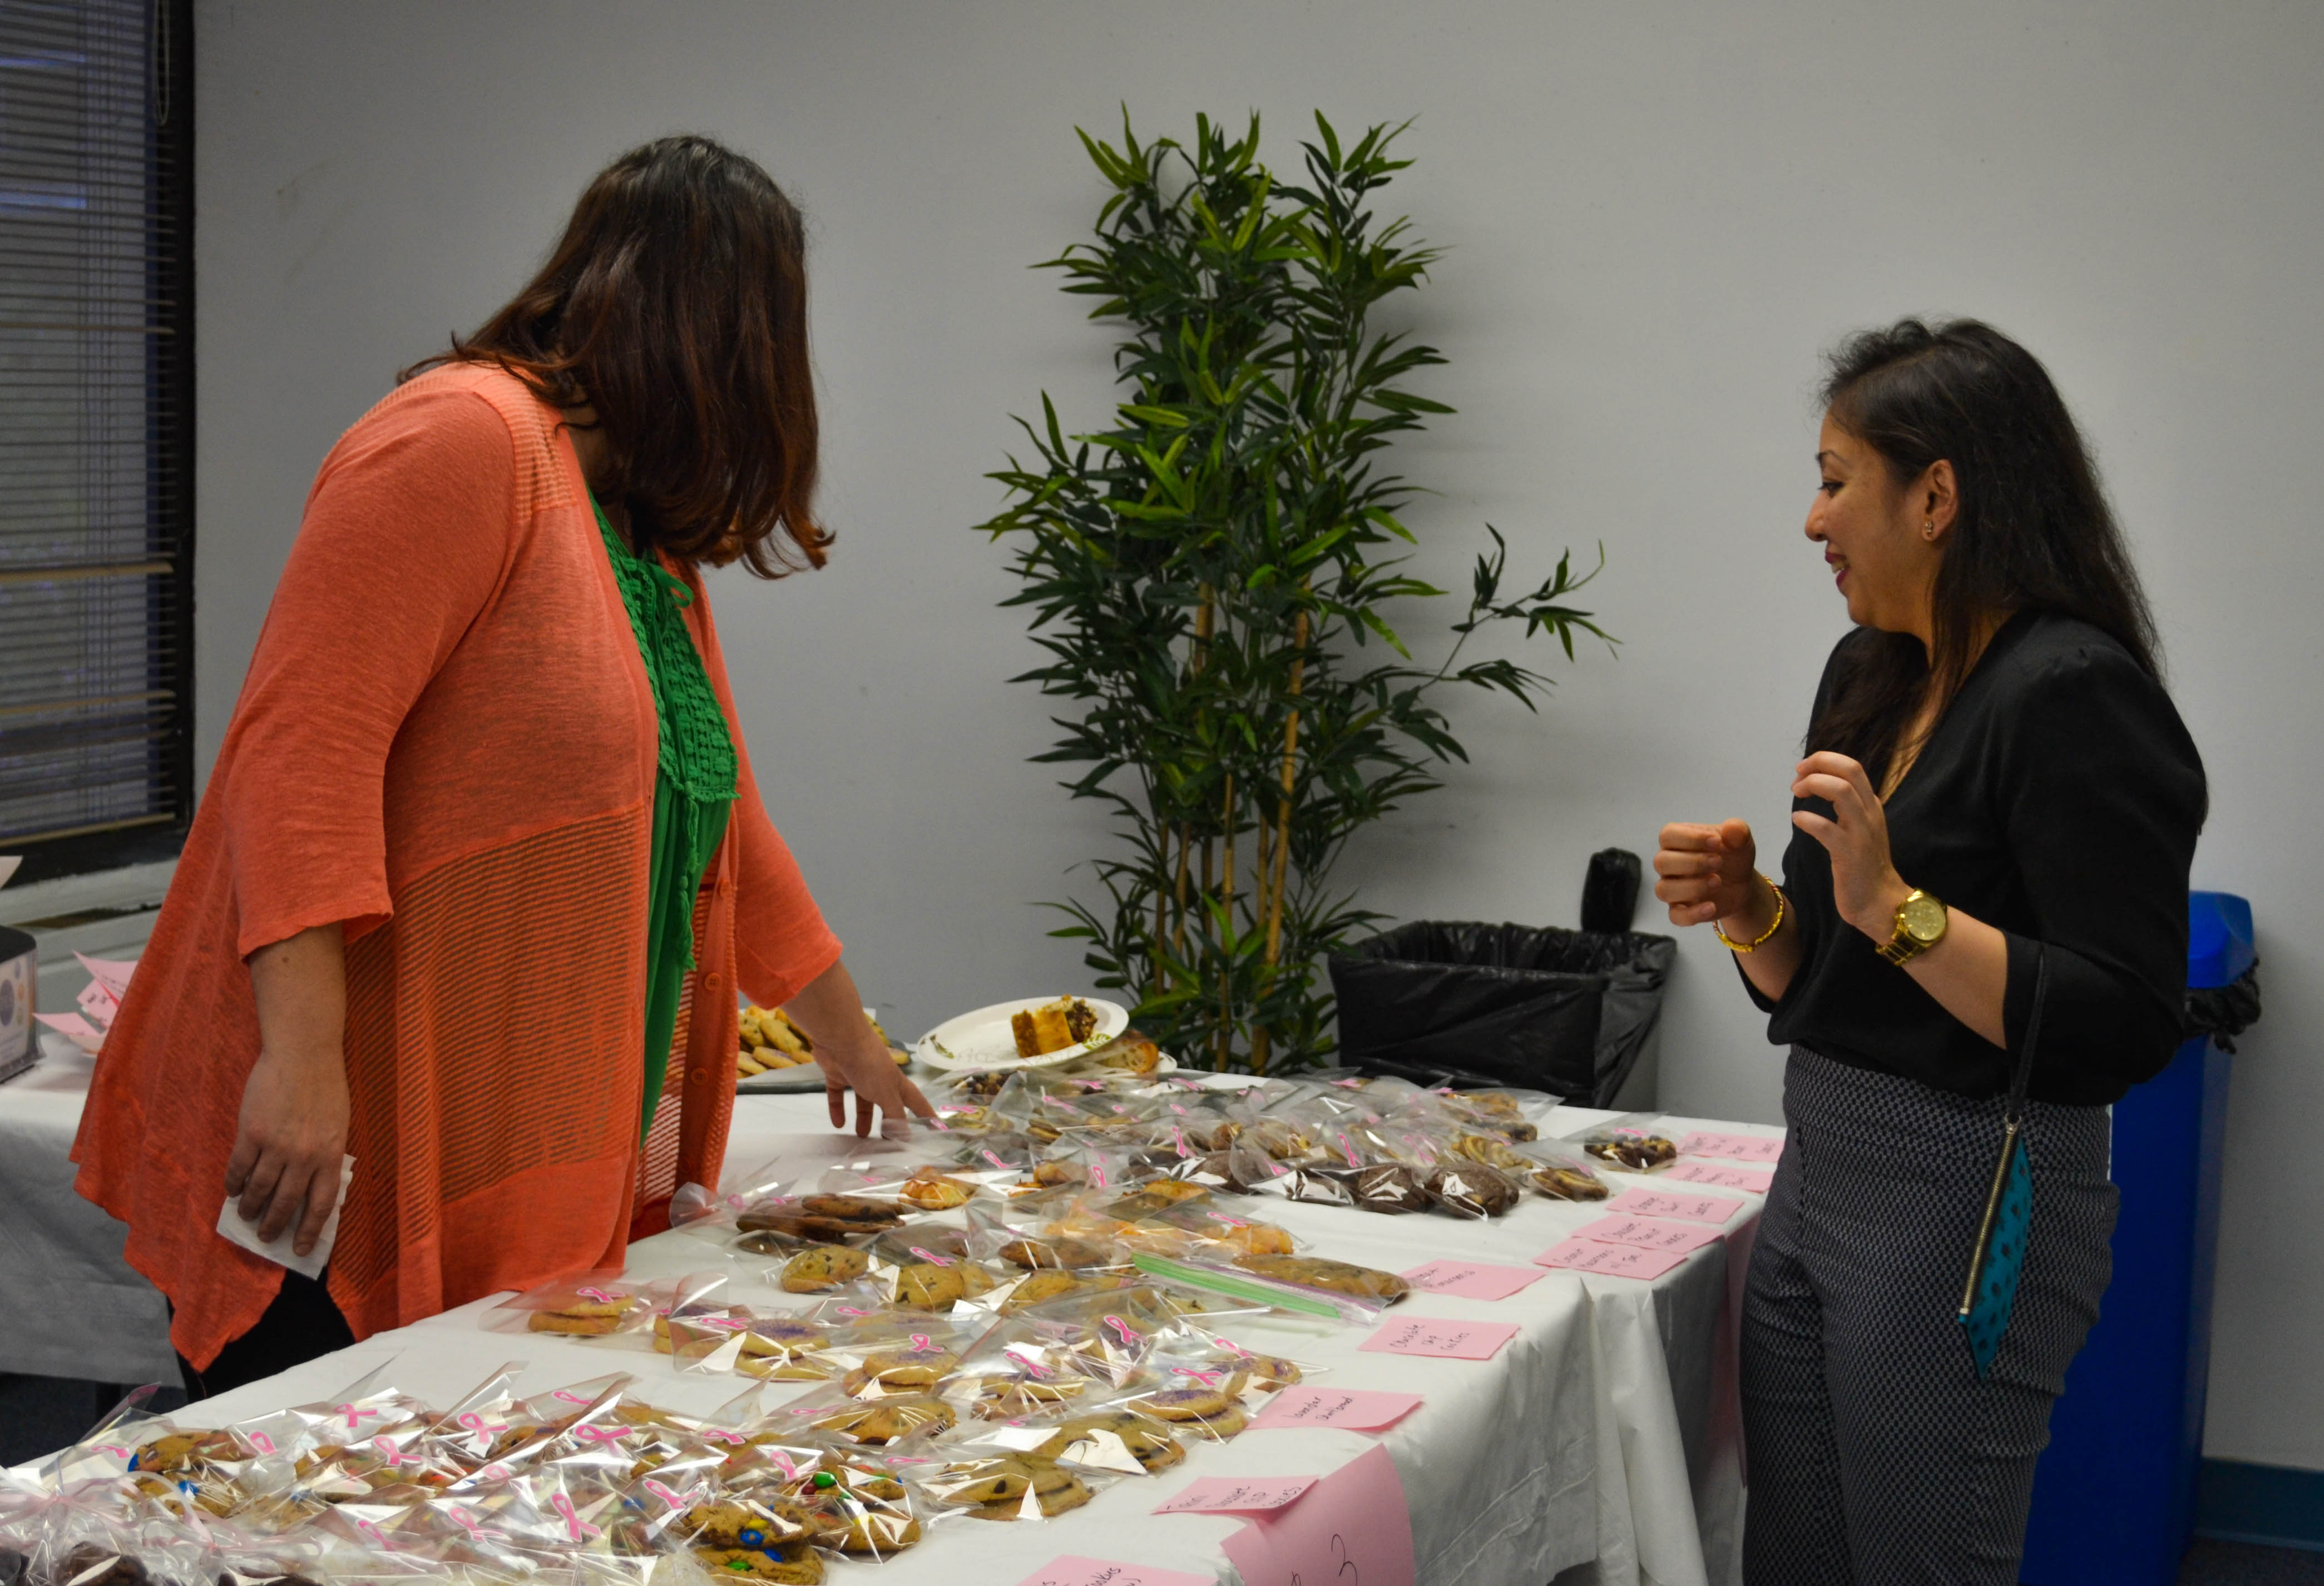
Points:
(1756, 1180)
(1350, 1408)
(1472, 1280)
(1072, 1570)
(1584, 1255)
(1649, 1232)
(1686, 1208)
(1733, 1147)
(1441, 1337)
(1228, 1495)
(1355, 1527)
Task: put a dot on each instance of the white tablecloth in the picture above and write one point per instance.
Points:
(1604, 1430)
(70, 1306)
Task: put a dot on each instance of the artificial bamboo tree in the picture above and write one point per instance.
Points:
(1209, 577)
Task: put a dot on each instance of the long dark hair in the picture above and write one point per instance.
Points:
(675, 307)
(2032, 530)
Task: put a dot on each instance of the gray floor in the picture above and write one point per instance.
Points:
(2234, 1563)
(38, 1414)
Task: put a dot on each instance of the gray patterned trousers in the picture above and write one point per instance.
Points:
(1876, 1456)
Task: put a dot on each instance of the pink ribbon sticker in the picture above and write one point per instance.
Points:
(1130, 1335)
(600, 1296)
(1097, 1174)
(1207, 1379)
(1179, 1136)
(1031, 1366)
(581, 1529)
(599, 1435)
(1229, 1222)
(384, 1447)
(674, 1498)
(571, 1399)
(1229, 1343)
(261, 1443)
(1181, 1112)
(356, 1416)
(372, 1531)
(474, 1421)
(720, 1434)
(931, 1257)
(920, 1343)
(117, 1452)
(993, 1159)
(493, 1473)
(790, 1470)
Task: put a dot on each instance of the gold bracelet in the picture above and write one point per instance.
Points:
(1753, 946)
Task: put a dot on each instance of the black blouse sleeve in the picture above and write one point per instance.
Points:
(2101, 795)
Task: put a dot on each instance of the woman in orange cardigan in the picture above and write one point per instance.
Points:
(482, 864)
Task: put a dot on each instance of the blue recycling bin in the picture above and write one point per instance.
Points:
(2114, 1496)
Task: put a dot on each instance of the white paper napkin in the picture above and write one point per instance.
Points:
(231, 1227)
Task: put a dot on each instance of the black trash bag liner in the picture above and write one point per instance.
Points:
(2223, 1012)
(1465, 1003)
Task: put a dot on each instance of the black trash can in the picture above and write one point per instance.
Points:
(1465, 1003)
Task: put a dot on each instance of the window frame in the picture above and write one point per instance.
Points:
(170, 467)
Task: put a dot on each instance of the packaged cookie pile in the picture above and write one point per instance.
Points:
(907, 1425)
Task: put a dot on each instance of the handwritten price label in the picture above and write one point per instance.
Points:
(1648, 1233)
(1646, 1203)
(1587, 1255)
(1073, 1569)
(1472, 1280)
(1733, 1147)
(1353, 1529)
(1756, 1180)
(1228, 1495)
(1442, 1338)
(1349, 1408)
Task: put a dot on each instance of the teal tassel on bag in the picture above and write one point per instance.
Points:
(2000, 1259)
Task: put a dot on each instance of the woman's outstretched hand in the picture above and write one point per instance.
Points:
(1706, 873)
(853, 1058)
(1866, 890)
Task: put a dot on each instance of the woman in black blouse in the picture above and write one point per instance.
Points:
(1995, 776)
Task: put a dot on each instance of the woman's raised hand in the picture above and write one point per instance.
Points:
(1865, 888)
(1705, 873)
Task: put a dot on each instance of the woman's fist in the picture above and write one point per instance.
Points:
(1706, 873)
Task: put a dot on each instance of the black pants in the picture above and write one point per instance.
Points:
(303, 1323)
(1877, 1456)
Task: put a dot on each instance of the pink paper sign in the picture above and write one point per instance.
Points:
(1355, 1527)
(1756, 1180)
(1651, 1234)
(1472, 1280)
(1350, 1408)
(1441, 1337)
(1585, 1255)
(1647, 1203)
(1228, 1495)
(1733, 1147)
(1072, 1570)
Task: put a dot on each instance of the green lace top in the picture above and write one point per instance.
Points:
(694, 788)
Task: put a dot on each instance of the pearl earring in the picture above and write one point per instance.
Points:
(1928, 528)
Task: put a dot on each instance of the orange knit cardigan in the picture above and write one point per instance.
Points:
(446, 741)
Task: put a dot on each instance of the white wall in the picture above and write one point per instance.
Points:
(1659, 213)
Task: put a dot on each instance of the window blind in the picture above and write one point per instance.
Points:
(96, 430)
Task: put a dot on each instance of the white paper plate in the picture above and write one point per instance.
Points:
(982, 1039)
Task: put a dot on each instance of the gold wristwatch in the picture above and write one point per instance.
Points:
(1920, 921)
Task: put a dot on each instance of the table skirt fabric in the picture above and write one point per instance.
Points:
(69, 1305)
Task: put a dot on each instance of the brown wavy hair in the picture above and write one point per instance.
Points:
(675, 308)
(2033, 530)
